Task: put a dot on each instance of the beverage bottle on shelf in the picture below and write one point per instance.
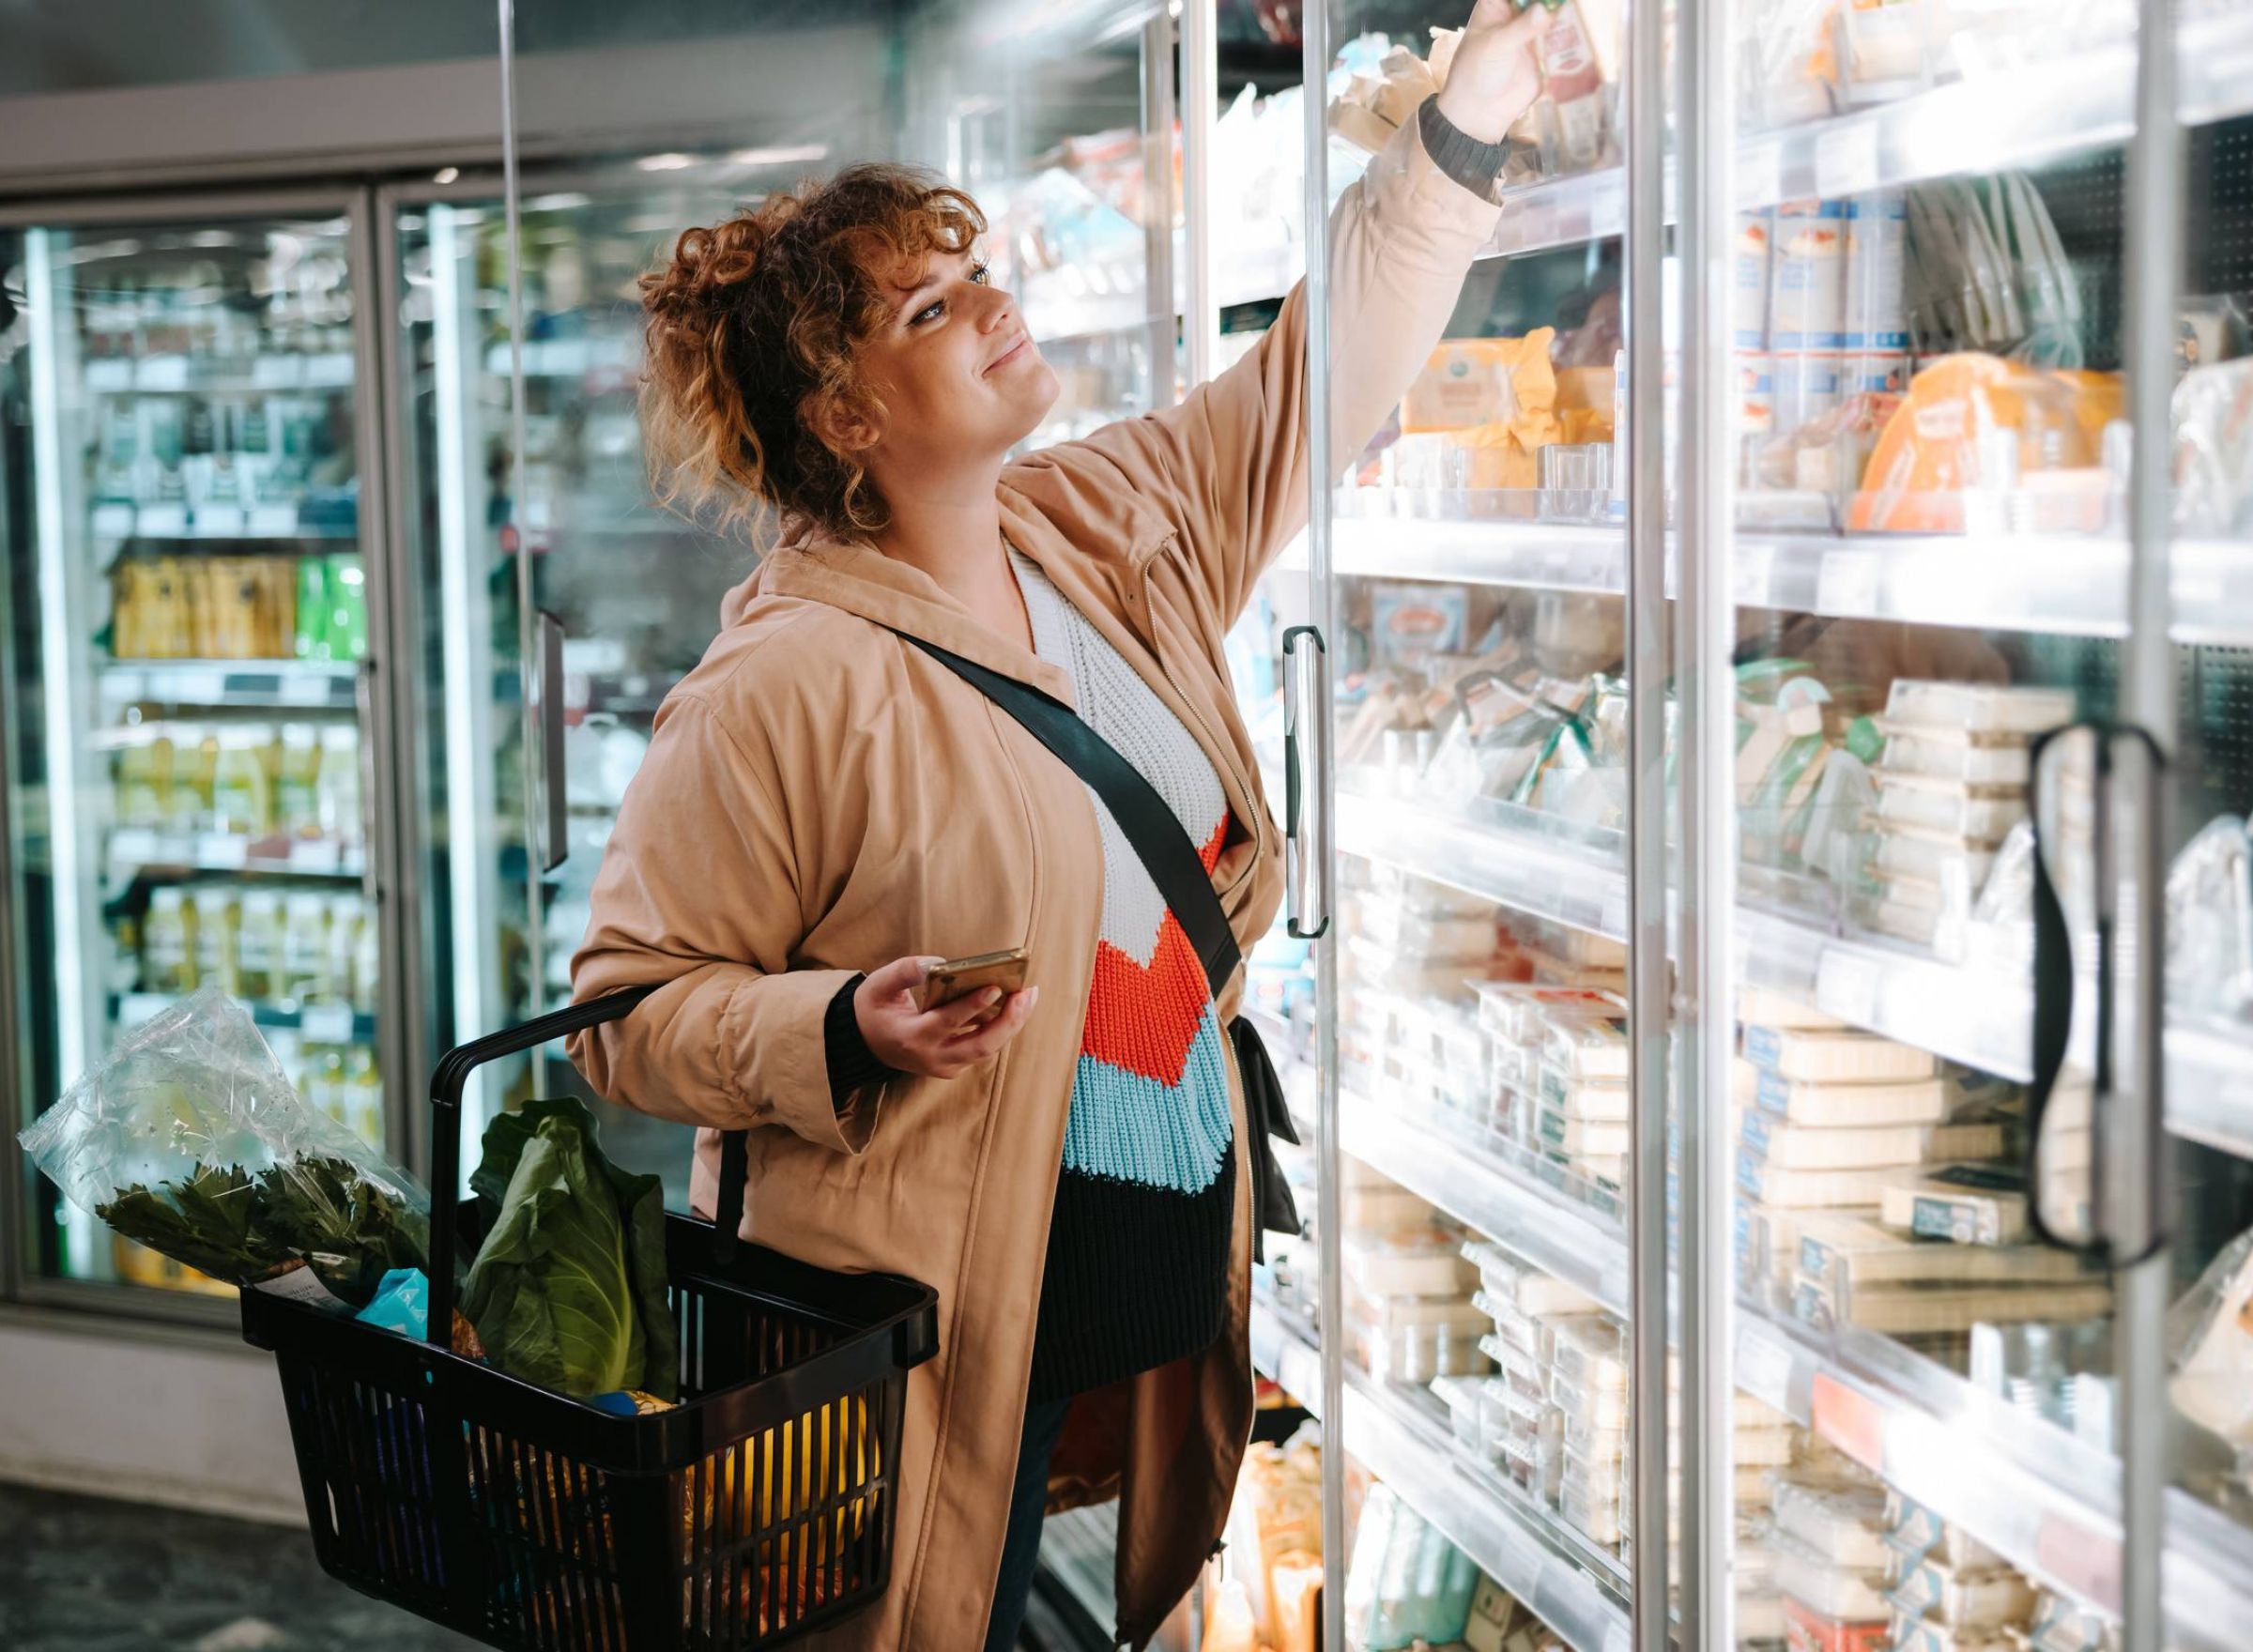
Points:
(338, 803)
(201, 602)
(296, 800)
(218, 936)
(194, 775)
(277, 608)
(241, 795)
(259, 946)
(348, 609)
(169, 629)
(346, 917)
(310, 640)
(129, 609)
(363, 1091)
(235, 587)
(168, 941)
(305, 948)
(367, 966)
(143, 771)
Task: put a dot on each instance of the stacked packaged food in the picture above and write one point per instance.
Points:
(1878, 1186)
(1557, 1055)
(1409, 1315)
(1948, 1591)
(1952, 783)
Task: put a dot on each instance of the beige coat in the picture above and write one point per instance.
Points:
(821, 798)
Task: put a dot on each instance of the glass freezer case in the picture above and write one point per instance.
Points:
(191, 652)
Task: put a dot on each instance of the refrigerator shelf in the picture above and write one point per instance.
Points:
(133, 850)
(2019, 118)
(1981, 1017)
(576, 358)
(2053, 584)
(179, 375)
(170, 523)
(2043, 1499)
(1522, 1544)
(234, 684)
(318, 1023)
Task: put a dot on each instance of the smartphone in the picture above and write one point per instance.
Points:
(946, 981)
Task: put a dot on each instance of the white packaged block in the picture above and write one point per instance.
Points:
(1848, 1251)
(1935, 857)
(1835, 1591)
(1586, 1045)
(1407, 1262)
(1595, 1100)
(1978, 707)
(1835, 1058)
(1927, 1635)
(1966, 1204)
(1823, 1147)
(1917, 1101)
(1845, 1527)
(1908, 1310)
(1812, 1190)
(1582, 1137)
(1961, 1599)
(1975, 816)
(1914, 1530)
(1999, 762)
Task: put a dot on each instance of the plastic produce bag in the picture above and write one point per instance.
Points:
(2210, 1343)
(190, 1141)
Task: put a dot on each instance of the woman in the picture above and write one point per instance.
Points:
(821, 799)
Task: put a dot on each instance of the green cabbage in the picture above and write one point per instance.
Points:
(569, 1287)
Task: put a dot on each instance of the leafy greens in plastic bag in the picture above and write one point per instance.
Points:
(190, 1141)
(568, 1287)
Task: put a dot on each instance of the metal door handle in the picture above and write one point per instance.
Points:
(1307, 853)
(555, 847)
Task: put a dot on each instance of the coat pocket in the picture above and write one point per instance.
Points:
(1265, 1116)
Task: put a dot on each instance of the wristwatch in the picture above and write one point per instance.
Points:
(1469, 162)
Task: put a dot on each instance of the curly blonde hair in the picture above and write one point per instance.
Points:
(751, 331)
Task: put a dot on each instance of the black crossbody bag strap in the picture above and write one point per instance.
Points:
(1172, 859)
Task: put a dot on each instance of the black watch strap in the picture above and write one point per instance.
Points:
(1469, 162)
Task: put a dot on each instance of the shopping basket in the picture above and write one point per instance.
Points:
(759, 1508)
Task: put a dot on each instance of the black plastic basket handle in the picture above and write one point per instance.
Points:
(452, 1077)
(2055, 993)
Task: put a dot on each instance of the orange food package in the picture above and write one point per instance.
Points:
(1494, 400)
(1974, 421)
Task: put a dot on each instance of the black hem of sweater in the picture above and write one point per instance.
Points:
(1137, 1278)
(852, 1066)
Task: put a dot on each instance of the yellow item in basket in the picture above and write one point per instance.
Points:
(830, 1452)
(1972, 421)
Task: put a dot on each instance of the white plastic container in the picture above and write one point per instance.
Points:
(1844, 1527)
(1825, 1057)
(1405, 1262)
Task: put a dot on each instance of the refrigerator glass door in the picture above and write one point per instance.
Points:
(633, 590)
(191, 659)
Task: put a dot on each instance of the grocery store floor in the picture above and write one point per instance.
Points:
(85, 1574)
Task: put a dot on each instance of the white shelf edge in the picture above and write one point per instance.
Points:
(1962, 1014)
(1959, 1452)
(1514, 1548)
(2012, 118)
(2045, 584)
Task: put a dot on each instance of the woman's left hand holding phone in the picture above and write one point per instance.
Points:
(947, 1039)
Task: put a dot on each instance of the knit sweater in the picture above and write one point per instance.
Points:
(1137, 1270)
(1136, 1267)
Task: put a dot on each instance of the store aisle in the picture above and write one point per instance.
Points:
(85, 1574)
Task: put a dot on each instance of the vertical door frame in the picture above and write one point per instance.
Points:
(1705, 634)
(1650, 1014)
(2142, 1192)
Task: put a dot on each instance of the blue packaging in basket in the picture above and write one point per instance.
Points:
(401, 1304)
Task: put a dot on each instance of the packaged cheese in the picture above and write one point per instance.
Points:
(1955, 755)
(1915, 1531)
(1937, 857)
(1516, 1013)
(1845, 1526)
(1811, 1189)
(1978, 708)
(1768, 1240)
(1961, 813)
(1581, 1137)
(1837, 1592)
(1527, 1288)
(1909, 1310)
(1589, 1406)
(1919, 1101)
(1960, 1598)
(1407, 1262)
(1920, 1635)
(1589, 1351)
(1586, 1045)
(1818, 1147)
(1594, 1100)
(1966, 1204)
(1843, 1252)
(1819, 1056)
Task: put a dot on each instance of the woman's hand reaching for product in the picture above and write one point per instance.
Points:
(945, 1040)
(1495, 77)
